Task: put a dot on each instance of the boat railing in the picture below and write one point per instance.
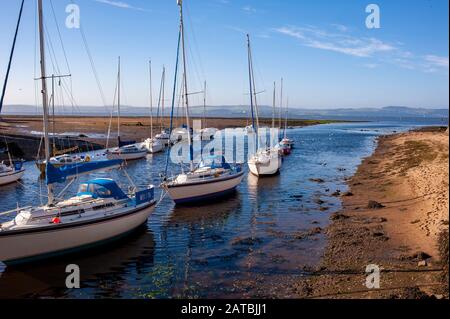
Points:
(16, 210)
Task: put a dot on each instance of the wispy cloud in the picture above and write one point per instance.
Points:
(249, 9)
(340, 27)
(120, 4)
(340, 40)
(341, 43)
(437, 61)
(371, 65)
(236, 29)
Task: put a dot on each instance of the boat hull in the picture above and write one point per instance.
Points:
(34, 244)
(11, 178)
(192, 193)
(126, 156)
(153, 147)
(265, 169)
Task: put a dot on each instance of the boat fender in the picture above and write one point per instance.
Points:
(56, 220)
(88, 159)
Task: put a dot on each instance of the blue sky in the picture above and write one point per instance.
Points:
(324, 51)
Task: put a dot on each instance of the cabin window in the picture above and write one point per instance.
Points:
(100, 190)
(83, 188)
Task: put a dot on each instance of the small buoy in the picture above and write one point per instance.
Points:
(56, 220)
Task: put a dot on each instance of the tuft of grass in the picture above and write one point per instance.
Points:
(414, 153)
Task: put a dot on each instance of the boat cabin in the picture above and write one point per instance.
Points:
(101, 188)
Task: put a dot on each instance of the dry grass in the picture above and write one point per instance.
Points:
(414, 153)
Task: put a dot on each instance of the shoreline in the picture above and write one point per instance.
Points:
(403, 230)
(89, 133)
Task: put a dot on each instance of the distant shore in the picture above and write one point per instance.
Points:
(91, 132)
(395, 216)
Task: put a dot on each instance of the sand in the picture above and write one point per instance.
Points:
(408, 176)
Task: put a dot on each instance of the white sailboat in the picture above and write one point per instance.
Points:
(126, 151)
(286, 143)
(204, 182)
(11, 173)
(283, 148)
(266, 161)
(99, 212)
(207, 133)
(164, 136)
(153, 145)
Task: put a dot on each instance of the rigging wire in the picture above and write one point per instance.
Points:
(92, 63)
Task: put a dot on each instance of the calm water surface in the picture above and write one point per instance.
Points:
(206, 251)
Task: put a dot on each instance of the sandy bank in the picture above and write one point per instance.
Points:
(404, 230)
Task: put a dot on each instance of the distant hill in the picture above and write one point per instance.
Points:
(389, 112)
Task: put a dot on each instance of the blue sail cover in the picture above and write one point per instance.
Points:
(61, 174)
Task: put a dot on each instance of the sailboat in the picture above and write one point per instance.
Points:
(127, 150)
(100, 211)
(164, 136)
(206, 133)
(266, 161)
(286, 142)
(153, 145)
(11, 173)
(204, 182)
(283, 147)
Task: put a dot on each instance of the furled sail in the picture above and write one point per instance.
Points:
(61, 174)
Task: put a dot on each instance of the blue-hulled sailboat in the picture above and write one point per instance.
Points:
(98, 213)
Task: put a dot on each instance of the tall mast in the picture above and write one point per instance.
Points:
(186, 92)
(44, 94)
(118, 102)
(281, 103)
(163, 87)
(204, 105)
(253, 89)
(286, 118)
(273, 104)
(53, 115)
(151, 101)
(250, 82)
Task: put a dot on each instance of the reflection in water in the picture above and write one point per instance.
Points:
(218, 250)
(110, 265)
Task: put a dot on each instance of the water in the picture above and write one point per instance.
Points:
(216, 250)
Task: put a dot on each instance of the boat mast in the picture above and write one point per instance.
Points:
(44, 95)
(118, 103)
(186, 92)
(273, 104)
(251, 84)
(286, 119)
(204, 105)
(281, 103)
(53, 116)
(253, 93)
(163, 97)
(151, 101)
